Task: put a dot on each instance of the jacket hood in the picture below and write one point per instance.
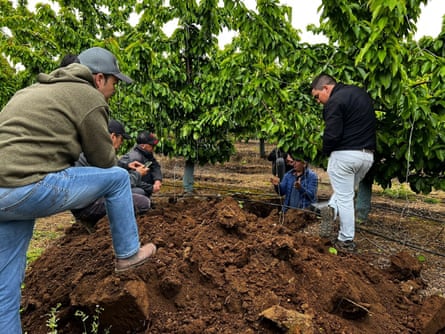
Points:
(71, 73)
(146, 154)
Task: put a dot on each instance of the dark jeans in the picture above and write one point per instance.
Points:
(96, 210)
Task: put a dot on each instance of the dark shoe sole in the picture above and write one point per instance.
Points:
(345, 247)
(89, 227)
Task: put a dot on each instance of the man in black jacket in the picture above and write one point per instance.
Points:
(349, 140)
(281, 164)
(143, 153)
(88, 216)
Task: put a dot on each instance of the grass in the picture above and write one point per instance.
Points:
(399, 192)
(402, 191)
(46, 231)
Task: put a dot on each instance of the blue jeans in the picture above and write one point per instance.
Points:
(346, 169)
(97, 210)
(363, 199)
(68, 189)
(188, 179)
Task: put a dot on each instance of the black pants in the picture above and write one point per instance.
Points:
(96, 210)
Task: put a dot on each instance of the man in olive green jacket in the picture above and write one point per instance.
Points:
(44, 128)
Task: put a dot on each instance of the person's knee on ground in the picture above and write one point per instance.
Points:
(138, 191)
(141, 204)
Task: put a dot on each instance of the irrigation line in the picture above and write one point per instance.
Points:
(410, 214)
(404, 243)
(219, 189)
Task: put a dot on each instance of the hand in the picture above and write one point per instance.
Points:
(297, 183)
(275, 180)
(139, 167)
(157, 186)
(135, 165)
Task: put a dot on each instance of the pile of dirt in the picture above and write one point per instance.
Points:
(226, 265)
(228, 262)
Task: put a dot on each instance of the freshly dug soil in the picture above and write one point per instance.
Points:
(228, 262)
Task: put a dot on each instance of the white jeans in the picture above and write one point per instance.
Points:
(346, 169)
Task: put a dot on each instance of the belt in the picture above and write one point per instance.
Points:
(367, 150)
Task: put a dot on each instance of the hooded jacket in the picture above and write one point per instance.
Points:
(147, 181)
(44, 127)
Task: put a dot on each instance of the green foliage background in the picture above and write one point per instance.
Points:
(200, 99)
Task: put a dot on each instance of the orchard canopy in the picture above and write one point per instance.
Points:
(200, 98)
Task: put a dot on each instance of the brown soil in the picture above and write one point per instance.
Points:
(228, 263)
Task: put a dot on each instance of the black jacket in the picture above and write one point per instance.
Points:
(146, 182)
(350, 122)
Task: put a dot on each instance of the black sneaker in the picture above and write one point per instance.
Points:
(89, 226)
(347, 246)
(327, 221)
(192, 193)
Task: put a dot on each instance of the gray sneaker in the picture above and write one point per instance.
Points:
(143, 254)
(347, 246)
(327, 221)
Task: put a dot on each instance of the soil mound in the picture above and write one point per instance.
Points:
(225, 265)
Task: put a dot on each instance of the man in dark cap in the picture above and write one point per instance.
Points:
(280, 162)
(69, 59)
(143, 153)
(45, 127)
(117, 129)
(90, 215)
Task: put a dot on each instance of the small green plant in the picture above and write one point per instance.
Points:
(51, 323)
(95, 323)
(421, 258)
(332, 250)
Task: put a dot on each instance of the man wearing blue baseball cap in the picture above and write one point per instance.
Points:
(44, 129)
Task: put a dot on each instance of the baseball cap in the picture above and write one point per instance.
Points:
(146, 137)
(99, 60)
(117, 128)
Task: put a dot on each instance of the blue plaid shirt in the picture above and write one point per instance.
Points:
(298, 198)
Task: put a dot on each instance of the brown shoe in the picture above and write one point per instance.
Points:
(143, 254)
